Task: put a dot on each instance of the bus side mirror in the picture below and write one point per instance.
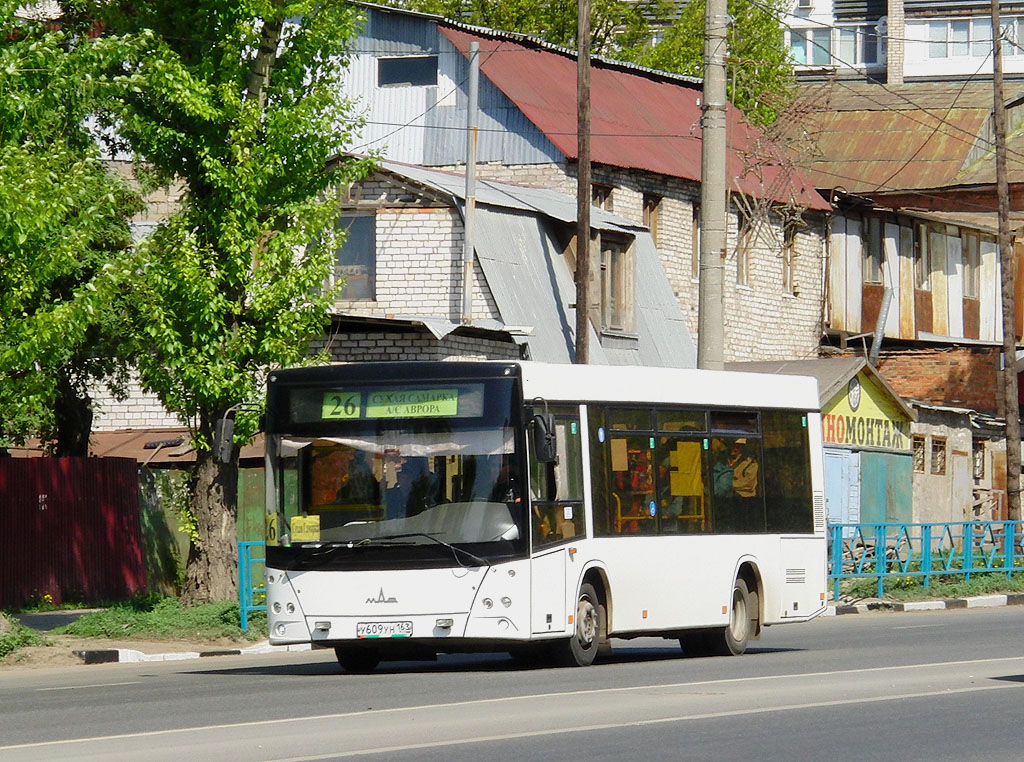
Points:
(545, 444)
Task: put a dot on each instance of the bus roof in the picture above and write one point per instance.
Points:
(618, 383)
(624, 384)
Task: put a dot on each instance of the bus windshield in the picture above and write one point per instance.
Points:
(430, 480)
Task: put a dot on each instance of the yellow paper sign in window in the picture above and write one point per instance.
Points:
(306, 529)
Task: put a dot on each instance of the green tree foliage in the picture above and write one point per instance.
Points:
(615, 25)
(238, 100)
(760, 75)
(63, 216)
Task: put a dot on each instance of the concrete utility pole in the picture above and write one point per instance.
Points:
(713, 190)
(1011, 405)
(583, 183)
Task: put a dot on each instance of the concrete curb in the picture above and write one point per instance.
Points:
(979, 601)
(128, 655)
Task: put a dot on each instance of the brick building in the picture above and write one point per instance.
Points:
(409, 73)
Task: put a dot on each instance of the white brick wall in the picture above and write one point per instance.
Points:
(138, 411)
(761, 321)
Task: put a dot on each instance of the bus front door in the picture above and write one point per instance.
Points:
(547, 592)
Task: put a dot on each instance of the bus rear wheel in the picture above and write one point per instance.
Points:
(732, 639)
(357, 659)
(580, 650)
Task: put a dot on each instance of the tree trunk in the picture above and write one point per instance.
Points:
(212, 571)
(72, 415)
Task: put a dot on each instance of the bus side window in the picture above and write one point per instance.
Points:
(632, 489)
(683, 505)
(556, 489)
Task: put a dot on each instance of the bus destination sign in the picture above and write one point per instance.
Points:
(397, 403)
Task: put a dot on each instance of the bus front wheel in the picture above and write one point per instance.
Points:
(580, 650)
(732, 639)
(357, 659)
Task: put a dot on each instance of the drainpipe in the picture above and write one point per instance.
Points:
(470, 218)
(883, 313)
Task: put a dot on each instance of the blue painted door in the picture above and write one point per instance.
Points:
(842, 485)
(886, 480)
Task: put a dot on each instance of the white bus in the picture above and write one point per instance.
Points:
(424, 508)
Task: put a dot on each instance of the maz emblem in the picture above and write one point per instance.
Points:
(381, 599)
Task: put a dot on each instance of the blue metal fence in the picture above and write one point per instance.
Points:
(922, 551)
(884, 552)
(252, 589)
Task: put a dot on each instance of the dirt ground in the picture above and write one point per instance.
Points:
(61, 648)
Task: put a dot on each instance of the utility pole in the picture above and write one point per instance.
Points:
(713, 190)
(1011, 405)
(583, 182)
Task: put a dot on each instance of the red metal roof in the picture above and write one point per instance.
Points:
(639, 118)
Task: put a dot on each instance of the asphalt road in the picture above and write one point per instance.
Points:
(933, 686)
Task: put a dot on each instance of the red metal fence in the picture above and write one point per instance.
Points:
(69, 528)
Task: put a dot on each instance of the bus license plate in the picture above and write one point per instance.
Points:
(383, 629)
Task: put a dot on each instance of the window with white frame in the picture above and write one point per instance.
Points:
(356, 261)
(949, 39)
(616, 285)
(857, 45)
(968, 38)
(810, 47)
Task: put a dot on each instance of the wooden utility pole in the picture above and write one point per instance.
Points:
(713, 191)
(1011, 405)
(583, 183)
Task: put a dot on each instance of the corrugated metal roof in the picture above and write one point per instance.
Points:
(640, 119)
(533, 287)
(548, 202)
(869, 138)
(169, 446)
(832, 374)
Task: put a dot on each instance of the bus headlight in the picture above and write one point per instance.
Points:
(488, 603)
(506, 601)
(277, 607)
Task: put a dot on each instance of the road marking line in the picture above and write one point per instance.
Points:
(92, 685)
(634, 723)
(527, 697)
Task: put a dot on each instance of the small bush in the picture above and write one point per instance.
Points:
(165, 619)
(14, 636)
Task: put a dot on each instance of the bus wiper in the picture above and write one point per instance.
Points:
(453, 548)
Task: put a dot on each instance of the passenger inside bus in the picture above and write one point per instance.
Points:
(360, 484)
(410, 486)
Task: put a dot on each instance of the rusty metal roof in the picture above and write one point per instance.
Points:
(873, 139)
(150, 446)
(640, 119)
